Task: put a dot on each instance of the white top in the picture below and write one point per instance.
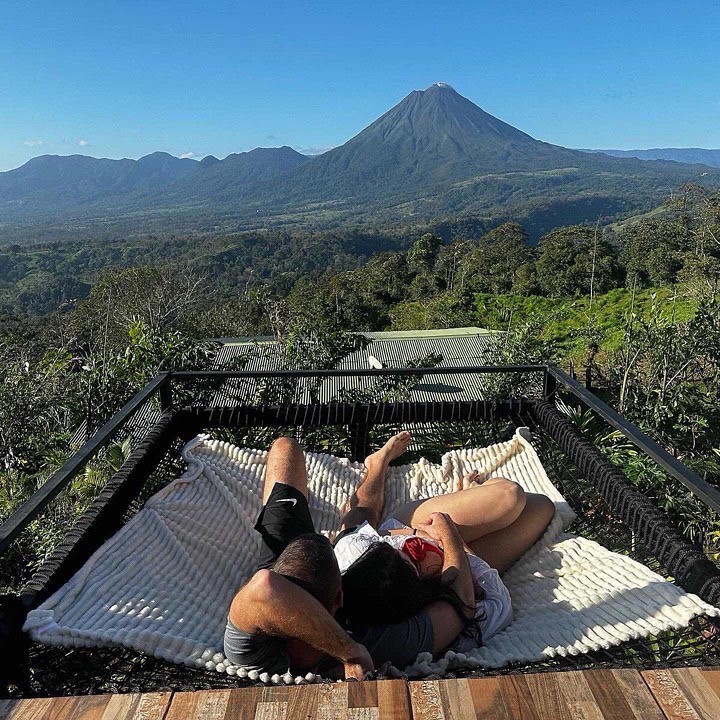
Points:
(494, 599)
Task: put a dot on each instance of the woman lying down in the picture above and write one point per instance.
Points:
(451, 547)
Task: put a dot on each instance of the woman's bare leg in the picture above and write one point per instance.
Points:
(368, 500)
(477, 511)
(500, 549)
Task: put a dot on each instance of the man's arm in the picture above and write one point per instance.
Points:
(446, 621)
(271, 604)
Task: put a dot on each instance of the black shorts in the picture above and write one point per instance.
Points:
(284, 517)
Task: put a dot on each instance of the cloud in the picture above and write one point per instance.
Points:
(33, 143)
(313, 150)
(187, 156)
(83, 143)
(271, 137)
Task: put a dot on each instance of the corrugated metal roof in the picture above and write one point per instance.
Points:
(458, 347)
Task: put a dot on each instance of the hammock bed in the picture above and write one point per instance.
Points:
(609, 511)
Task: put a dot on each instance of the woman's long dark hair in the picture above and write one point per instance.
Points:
(382, 588)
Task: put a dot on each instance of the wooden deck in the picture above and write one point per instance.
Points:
(683, 694)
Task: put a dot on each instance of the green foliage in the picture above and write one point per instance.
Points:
(682, 507)
(443, 311)
(499, 263)
(653, 251)
(667, 377)
(571, 324)
(576, 261)
(522, 344)
(45, 400)
(421, 256)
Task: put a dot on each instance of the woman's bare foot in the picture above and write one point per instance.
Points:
(474, 476)
(391, 450)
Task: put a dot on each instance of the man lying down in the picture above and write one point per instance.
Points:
(424, 580)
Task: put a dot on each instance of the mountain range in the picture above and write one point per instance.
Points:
(699, 156)
(434, 156)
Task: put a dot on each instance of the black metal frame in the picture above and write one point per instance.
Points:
(172, 425)
(162, 386)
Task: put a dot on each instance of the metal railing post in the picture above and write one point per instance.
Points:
(165, 390)
(550, 385)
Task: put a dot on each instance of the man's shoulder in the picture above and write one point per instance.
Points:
(257, 589)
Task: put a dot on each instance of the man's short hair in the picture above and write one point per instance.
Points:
(309, 561)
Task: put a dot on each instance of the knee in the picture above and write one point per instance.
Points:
(512, 495)
(545, 507)
(286, 444)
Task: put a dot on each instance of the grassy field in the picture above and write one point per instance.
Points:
(572, 323)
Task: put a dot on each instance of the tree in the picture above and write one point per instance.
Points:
(421, 256)
(156, 297)
(652, 251)
(570, 258)
(498, 263)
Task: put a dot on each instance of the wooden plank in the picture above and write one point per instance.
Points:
(699, 693)
(441, 699)
(271, 710)
(35, 708)
(393, 700)
(363, 713)
(669, 696)
(273, 702)
(547, 696)
(633, 689)
(275, 693)
(702, 694)
(426, 701)
(89, 707)
(363, 694)
(132, 706)
(456, 697)
(618, 694)
(578, 696)
(332, 702)
(205, 704)
(488, 697)
(136, 706)
(517, 698)
(302, 702)
(712, 678)
(242, 703)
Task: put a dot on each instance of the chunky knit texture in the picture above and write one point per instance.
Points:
(163, 584)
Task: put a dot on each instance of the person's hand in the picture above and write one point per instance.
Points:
(440, 526)
(420, 532)
(360, 665)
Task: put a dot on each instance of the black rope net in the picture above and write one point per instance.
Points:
(609, 511)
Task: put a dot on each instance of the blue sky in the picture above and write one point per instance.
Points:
(125, 78)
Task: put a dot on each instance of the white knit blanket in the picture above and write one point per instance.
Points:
(163, 584)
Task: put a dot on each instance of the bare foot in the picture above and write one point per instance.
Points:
(473, 476)
(391, 450)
